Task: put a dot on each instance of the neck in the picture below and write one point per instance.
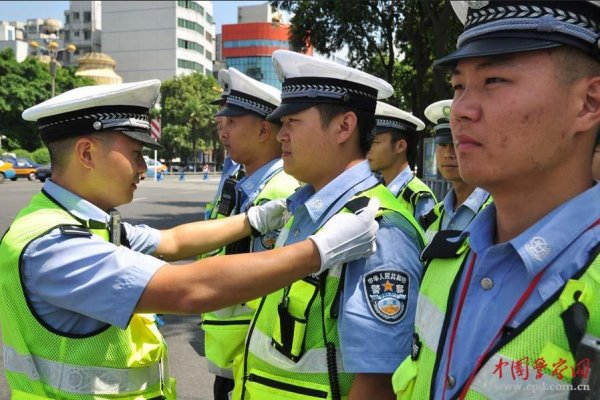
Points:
(324, 179)
(521, 203)
(462, 191)
(253, 165)
(390, 173)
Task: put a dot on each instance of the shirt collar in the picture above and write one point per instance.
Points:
(249, 184)
(342, 186)
(541, 243)
(77, 206)
(400, 181)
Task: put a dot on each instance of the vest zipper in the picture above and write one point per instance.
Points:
(288, 387)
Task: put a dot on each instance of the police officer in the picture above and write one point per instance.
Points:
(230, 167)
(76, 284)
(252, 142)
(339, 334)
(394, 145)
(501, 315)
(462, 203)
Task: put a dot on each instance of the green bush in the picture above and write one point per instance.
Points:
(41, 156)
(22, 153)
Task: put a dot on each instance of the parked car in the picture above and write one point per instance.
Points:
(43, 172)
(6, 171)
(23, 166)
(154, 167)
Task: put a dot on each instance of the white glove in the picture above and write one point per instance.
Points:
(346, 236)
(269, 216)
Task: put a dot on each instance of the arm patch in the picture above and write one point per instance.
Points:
(75, 230)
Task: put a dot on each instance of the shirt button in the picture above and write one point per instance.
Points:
(297, 232)
(450, 381)
(486, 283)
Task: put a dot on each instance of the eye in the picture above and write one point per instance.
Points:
(493, 80)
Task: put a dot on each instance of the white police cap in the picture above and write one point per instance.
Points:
(90, 109)
(503, 27)
(388, 118)
(223, 78)
(439, 114)
(249, 96)
(308, 81)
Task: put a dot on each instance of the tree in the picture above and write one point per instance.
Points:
(23, 85)
(395, 40)
(187, 116)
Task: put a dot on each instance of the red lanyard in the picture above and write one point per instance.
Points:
(510, 317)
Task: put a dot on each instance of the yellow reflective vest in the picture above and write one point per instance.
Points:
(536, 345)
(39, 363)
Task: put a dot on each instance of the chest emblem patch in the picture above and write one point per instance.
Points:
(387, 294)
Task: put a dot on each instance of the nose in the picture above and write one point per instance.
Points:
(282, 135)
(465, 107)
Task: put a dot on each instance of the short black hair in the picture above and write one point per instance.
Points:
(365, 121)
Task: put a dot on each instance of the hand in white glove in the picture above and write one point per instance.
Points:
(346, 236)
(269, 216)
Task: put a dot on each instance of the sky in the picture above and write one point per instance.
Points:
(225, 12)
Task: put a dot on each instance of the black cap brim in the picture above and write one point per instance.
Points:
(443, 139)
(490, 46)
(218, 102)
(143, 137)
(287, 109)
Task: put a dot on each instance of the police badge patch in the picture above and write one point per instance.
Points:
(387, 294)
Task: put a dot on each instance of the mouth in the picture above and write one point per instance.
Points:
(464, 143)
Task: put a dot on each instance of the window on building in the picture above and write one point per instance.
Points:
(210, 19)
(209, 55)
(184, 23)
(188, 44)
(283, 44)
(67, 17)
(87, 16)
(209, 37)
(75, 16)
(67, 35)
(76, 33)
(191, 65)
(191, 5)
(87, 35)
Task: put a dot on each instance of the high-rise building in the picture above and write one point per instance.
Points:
(11, 36)
(83, 28)
(158, 39)
(249, 44)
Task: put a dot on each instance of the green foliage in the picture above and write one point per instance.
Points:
(22, 153)
(374, 31)
(41, 156)
(23, 85)
(187, 117)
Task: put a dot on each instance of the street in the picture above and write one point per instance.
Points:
(161, 205)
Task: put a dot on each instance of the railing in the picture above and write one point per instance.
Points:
(439, 186)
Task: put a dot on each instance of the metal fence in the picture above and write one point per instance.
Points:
(439, 186)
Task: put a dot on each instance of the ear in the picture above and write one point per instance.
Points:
(588, 117)
(86, 152)
(347, 124)
(400, 146)
(265, 131)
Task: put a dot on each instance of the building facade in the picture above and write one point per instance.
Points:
(83, 28)
(158, 39)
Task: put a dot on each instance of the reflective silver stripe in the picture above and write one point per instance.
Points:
(80, 379)
(314, 361)
(428, 322)
(490, 385)
(216, 370)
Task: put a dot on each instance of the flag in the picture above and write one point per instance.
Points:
(155, 129)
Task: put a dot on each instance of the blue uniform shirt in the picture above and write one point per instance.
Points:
(561, 239)
(80, 284)
(368, 344)
(424, 204)
(464, 214)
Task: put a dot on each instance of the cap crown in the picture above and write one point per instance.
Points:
(392, 117)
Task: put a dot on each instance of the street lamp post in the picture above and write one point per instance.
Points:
(53, 50)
